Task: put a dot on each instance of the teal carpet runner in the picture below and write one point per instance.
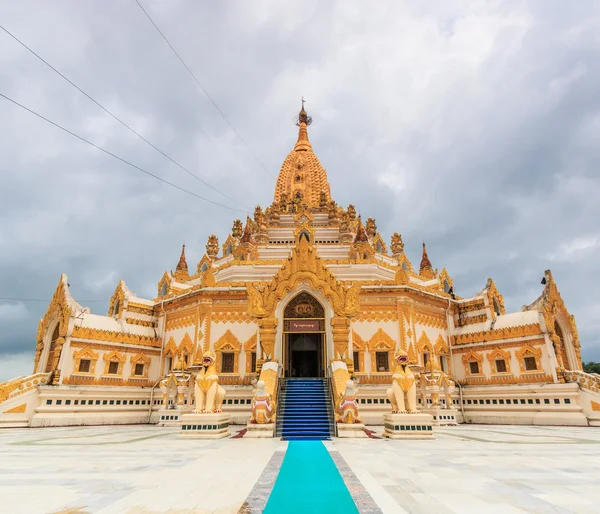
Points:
(309, 481)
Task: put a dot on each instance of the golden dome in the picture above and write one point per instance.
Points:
(302, 176)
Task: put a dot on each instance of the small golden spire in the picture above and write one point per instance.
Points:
(182, 264)
(426, 269)
(181, 271)
(304, 120)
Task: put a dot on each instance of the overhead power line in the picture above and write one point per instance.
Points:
(116, 156)
(133, 131)
(202, 87)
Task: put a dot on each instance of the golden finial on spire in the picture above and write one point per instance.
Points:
(426, 269)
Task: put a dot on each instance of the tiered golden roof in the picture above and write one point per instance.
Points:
(302, 177)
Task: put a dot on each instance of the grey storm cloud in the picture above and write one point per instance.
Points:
(472, 125)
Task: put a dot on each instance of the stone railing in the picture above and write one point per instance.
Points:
(21, 385)
(588, 381)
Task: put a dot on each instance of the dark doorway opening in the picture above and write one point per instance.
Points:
(305, 355)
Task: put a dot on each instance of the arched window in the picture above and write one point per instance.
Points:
(446, 286)
(163, 289)
(204, 267)
(116, 308)
(304, 234)
(404, 266)
(379, 247)
(228, 251)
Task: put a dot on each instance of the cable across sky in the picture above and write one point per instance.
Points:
(133, 131)
(202, 87)
(150, 174)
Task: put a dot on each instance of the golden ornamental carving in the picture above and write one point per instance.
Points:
(304, 266)
(470, 320)
(236, 230)
(507, 379)
(59, 312)
(358, 343)
(429, 320)
(212, 246)
(424, 344)
(228, 342)
(250, 347)
(397, 245)
(231, 317)
(229, 245)
(139, 308)
(376, 314)
(529, 351)
(472, 356)
(472, 305)
(497, 334)
(85, 353)
(141, 322)
(267, 333)
(87, 380)
(495, 299)
(21, 385)
(114, 356)
(441, 346)
(186, 345)
(117, 301)
(379, 244)
(552, 306)
(499, 354)
(171, 348)
(115, 337)
(181, 319)
(19, 409)
(493, 345)
(381, 341)
(110, 347)
(208, 279)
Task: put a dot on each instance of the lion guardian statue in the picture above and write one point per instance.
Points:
(263, 410)
(403, 393)
(208, 393)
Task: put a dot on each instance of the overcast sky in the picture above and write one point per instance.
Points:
(472, 125)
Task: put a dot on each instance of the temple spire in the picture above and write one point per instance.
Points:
(181, 271)
(426, 269)
(304, 120)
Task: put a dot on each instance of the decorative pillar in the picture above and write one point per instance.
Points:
(181, 390)
(341, 336)
(165, 395)
(267, 333)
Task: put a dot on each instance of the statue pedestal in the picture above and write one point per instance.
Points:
(408, 426)
(442, 417)
(260, 431)
(351, 430)
(171, 417)
(205, 426)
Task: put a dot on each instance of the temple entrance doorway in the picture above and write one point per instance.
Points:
(304, 352)
(305, 355)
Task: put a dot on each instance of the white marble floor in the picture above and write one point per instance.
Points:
(146, 469)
